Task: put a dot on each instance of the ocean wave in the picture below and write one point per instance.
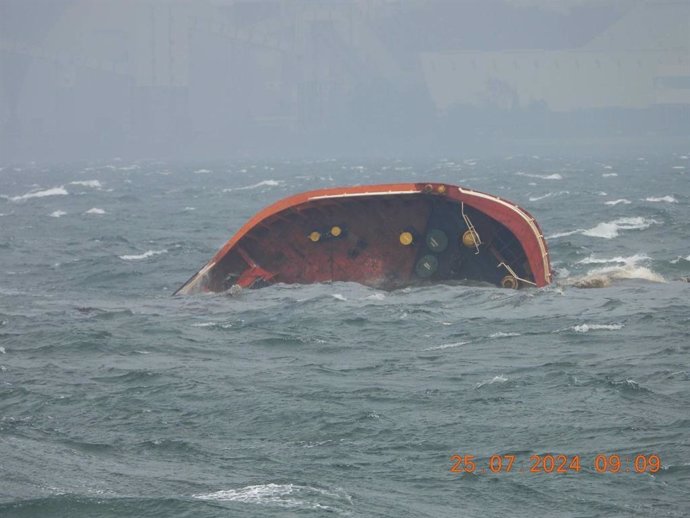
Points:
(616, 202)
(95, 210)
(202, 171)
(554, 176)
(603, 277)
(610, 229)
(496, 379)
(57, 214)
(548, 195)
(564, 234)
(95, 184)
(53, 191)
(586, 328)
(264, 183)
(145, 255)
(445, 346)
(501, 334)
(631, 260)
(679, 259)
(282, 495)
(606, 175)
(666, 199)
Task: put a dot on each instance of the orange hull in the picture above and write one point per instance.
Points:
(385, 236)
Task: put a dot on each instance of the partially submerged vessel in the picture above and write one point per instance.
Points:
(385, 236)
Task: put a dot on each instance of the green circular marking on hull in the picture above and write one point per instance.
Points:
(426, 266)
(437, 240)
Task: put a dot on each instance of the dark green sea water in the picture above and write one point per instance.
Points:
(119, 400)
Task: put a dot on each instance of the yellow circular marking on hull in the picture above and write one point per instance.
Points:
(336, 231)
(469, 239)
(406, 238)
(315, 236)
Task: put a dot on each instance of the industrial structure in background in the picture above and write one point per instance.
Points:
(242, 78)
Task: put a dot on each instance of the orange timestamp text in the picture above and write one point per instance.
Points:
(601, 463)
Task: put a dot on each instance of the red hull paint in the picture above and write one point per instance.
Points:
(274, 245)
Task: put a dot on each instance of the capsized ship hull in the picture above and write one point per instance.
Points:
(385, 236)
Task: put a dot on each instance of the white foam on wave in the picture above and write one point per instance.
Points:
(2, 350)
(145, 255)
(616, 202)
(564, 234)
(53, 191)
(57, 213)
(610, 229)
(95, 210)
(607, 175)
(554, 176)
(202, 171)
(665, 199)
(95, 184)
(496, 379)
(501, 334)
(548, 195)
(679, 259)
(282, 495)
(375, 296)
(631, 260)
(338, 296)
(586, 328)
(264, 183)
(445, 346)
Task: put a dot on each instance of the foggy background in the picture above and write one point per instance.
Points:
(280, 78)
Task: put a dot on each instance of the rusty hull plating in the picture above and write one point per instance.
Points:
(385, 236)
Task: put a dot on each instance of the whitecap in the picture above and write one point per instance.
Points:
(57, 213)
(54, 191)
(145, 255)
(501, 334)
(564, 234)
(202, 171)
(610, 229)
(603, 277)
(283, 495)
(445, 346)
(585, 328)
(338, 296)
(667, 199)
(554, 176)
(95, 184)
(95, 210)
(548, 195)
(188, 209)
(2, 350)
(496, 379)
(678, 167)
(376, 296)
(607, 175)
(679, 259)
(266, 183)
(633, 259)
(616, 202)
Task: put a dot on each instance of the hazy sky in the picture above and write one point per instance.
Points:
(83, 78)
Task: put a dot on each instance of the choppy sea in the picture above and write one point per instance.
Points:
(118, 400)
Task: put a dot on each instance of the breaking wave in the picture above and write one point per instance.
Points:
(554, 176)
(145, 255)
(445, 346)
(586, 328)
(616, 202)
(496, 379)
(95, 210)
(610, 229)
(548, 195)
(666, 199)
(54, 191)
(88, 183)
(621, 268)
(281, 495)
(265, 183)
(57, 213)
